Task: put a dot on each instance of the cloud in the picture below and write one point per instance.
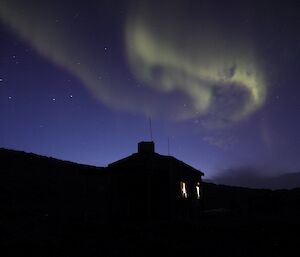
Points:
(190, 63)
(256, 178)
(214, 141)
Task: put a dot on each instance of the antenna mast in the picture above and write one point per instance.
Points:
(150, 129)
(168, 146)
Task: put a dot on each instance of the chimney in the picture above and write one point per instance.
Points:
(146, 147)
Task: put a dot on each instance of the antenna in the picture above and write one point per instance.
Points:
(150, 129)
(168, 146)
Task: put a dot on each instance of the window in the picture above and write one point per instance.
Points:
(198, 191)
(183, 189)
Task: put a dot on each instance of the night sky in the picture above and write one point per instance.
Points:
(221, 79)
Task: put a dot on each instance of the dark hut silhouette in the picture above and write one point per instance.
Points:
(149, 185)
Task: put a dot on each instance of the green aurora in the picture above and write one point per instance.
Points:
(211, 65)
(198, 58)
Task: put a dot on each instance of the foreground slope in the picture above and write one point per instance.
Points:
(40, 218)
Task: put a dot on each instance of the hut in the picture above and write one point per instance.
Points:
(153, 186)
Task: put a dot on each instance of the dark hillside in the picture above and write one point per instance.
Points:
(46, 187)
(246, 201)
(56, 208)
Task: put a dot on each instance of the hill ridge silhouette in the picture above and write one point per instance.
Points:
(42, 213)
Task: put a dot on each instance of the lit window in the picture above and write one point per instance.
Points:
(183, 189)
(198, 191)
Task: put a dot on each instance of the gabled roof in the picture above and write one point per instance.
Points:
(144, 159)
